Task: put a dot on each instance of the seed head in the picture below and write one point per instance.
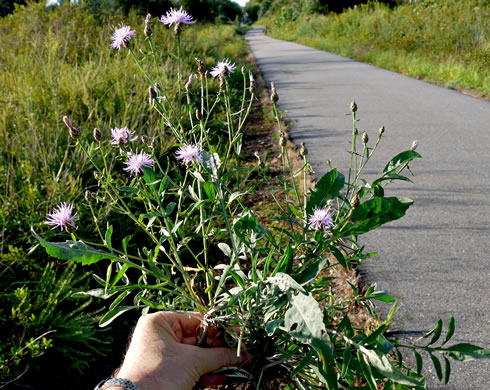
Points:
(365, 138)
(74, 133)
(381, 130)
(148, 31)
(303, 151)
(97, 134)
(353, 106)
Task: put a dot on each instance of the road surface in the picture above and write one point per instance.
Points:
(438, 256)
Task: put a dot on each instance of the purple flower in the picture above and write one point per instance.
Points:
(321, 218)
(62, 217)
(122, 37)
(189, 153)
(136, 162)
(176, 16)
(223, 68)
(122, 136)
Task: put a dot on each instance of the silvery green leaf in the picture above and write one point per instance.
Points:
(212, 164)
(304, 318)
(285, 282)
(225, 248)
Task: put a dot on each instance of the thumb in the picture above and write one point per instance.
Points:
(211, 359)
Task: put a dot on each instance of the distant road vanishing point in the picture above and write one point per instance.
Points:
(438, 256)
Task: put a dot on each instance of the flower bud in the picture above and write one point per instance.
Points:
(97, 134)
(148, 31)
(355, 200)
(200, 67)
(188, 85)
(97, 175)
(89, 196)
(381, 130)
(157, 87)
(259, 160)
(198, 115)
(152, 95)
(414, 145)
(243, 69)
(355, 131)
(282, 141)
(353, 106)
(74, 133)
(274, 96)
(365, 138)
(303, 151)
(251, 87)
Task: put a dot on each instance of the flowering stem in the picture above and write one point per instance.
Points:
(140, 67)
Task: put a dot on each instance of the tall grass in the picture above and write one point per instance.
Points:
(53, 63)
(59, 63)
(447, 42)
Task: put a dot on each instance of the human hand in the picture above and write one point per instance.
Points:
(163, 355)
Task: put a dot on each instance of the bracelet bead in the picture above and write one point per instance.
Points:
(126, 384)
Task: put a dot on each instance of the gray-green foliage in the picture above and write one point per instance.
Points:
(200, 248)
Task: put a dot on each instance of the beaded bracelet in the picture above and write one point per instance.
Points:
(126, 384)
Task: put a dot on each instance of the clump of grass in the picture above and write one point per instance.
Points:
(444, 42)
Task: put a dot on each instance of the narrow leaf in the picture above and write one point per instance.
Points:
(450, 330)
(113, 314)
(437, 365)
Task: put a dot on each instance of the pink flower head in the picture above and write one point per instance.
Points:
(122, 37)
(224, 68)
(136, 162)
(321, 218)
(176, 16)
(188, 153)
(122, 136)
(62, 217)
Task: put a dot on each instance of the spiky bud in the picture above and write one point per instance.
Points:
(97, 134)
(97, 175)
(198, 115)
(157, 87)
(353, 106)
(365, 138)
(188, 85)
(148, 31)
(282, 141)
(200, 67)
(74, 133)
(274, 95)
(381, 130)
(414, 145)
(303, 151)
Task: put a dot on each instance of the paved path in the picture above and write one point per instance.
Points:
(438, 256)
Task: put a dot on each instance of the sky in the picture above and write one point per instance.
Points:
(241, 2)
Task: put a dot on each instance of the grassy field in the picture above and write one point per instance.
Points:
(444, 42)
(55, 63)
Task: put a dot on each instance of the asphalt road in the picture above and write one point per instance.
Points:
(437, 257)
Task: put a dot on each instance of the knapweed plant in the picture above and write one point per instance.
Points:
(191, 243)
